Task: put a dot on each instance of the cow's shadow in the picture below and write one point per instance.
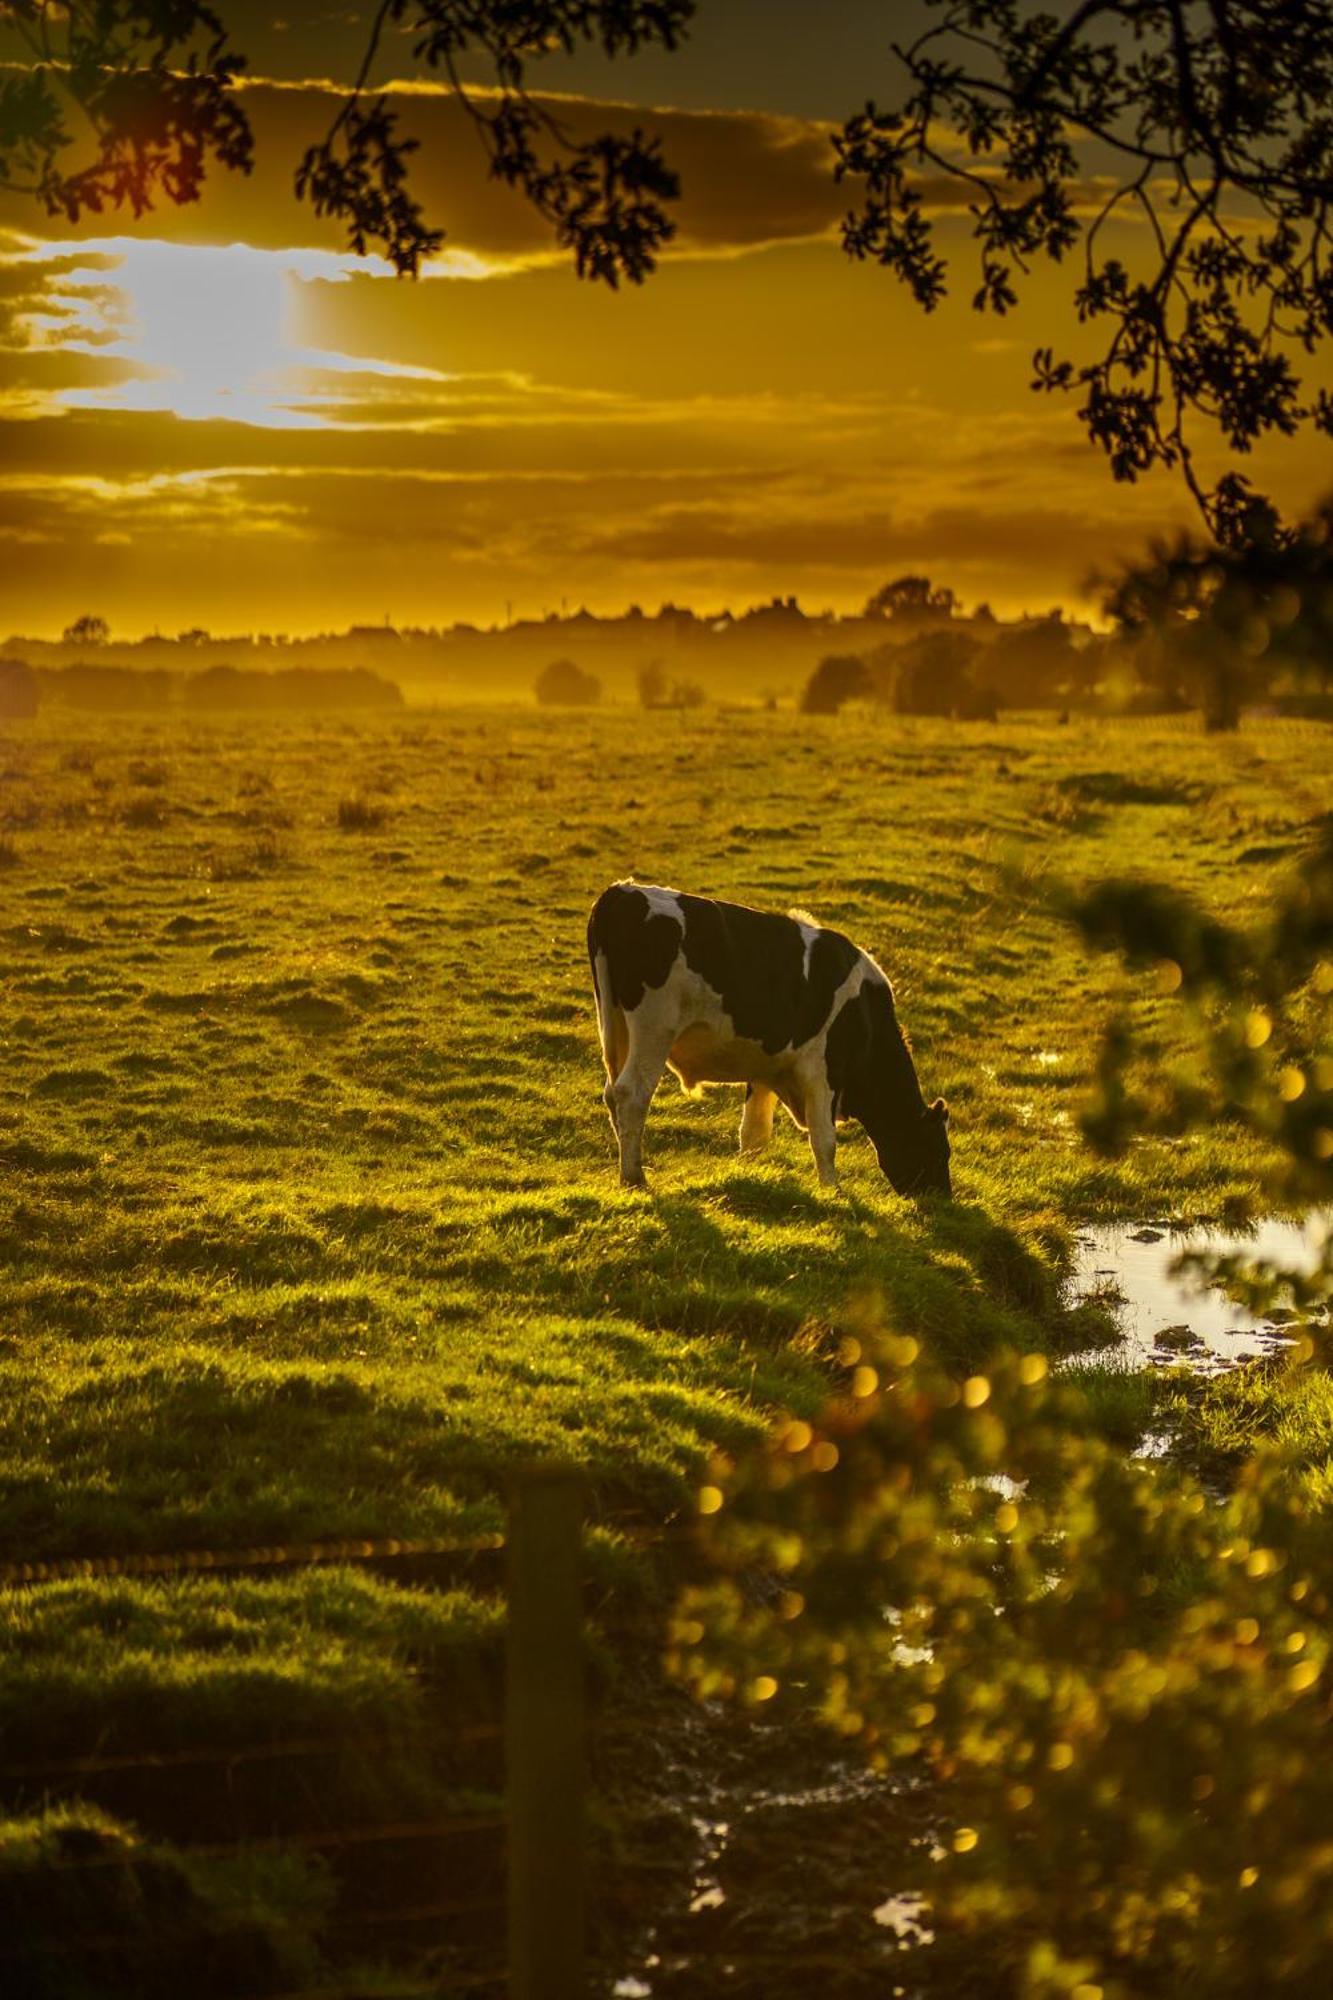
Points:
(766, 1255)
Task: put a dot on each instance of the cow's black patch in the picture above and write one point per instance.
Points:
(755, 962)
(847, 1054)
(638, 943)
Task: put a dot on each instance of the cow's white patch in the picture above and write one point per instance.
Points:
(662, 902)
(809, 930)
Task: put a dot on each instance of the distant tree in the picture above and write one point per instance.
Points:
(911, 597)
(1215, 625)
(840, 678)
(563, 684)
(87, 631)
(1040, 664)
(196, 636)
(934, 674)
(111, 690)
(652, 684)
(291, 690)
(655, 691)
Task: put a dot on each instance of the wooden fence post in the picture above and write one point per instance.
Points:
(545, 1737)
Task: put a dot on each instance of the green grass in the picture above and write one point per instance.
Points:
(315, 1225)
(311, 1225)
(138, 1665)
(88, 1907)
(1277, 1407)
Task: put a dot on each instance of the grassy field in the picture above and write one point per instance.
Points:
(311, 1227)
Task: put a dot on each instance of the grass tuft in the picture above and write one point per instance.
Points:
(359, 814)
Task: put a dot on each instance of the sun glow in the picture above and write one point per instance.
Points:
(212, 333)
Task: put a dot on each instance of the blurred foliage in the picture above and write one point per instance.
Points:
(1259, 1054)
(1118, 1681)
(1216, 625)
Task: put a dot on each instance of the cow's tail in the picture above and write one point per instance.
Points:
(610, 1018)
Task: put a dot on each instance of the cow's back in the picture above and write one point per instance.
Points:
(774, 977)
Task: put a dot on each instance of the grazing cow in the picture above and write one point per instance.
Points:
(724, 994)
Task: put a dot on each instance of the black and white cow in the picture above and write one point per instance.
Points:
(724, 994)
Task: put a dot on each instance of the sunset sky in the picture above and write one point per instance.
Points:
(218, 416)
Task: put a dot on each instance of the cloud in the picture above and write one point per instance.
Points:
(953, 539)
(57, 319)
(749, 178)
(296, 546)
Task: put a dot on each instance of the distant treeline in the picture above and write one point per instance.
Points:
(219, 690)
(976, 667)
(1182, 632)
(972, 669)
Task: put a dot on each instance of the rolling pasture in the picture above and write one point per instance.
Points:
(311, 1229)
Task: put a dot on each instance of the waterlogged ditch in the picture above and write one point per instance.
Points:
(1174, 1317)
(801, 1866)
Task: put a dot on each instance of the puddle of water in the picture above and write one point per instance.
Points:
(707, 1892)
(1169, 1319)
(905, 1915)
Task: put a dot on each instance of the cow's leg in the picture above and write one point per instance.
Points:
(757, 1116)
(823, 1133)
(630, 1094)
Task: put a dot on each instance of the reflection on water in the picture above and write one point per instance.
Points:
(1165, 1316)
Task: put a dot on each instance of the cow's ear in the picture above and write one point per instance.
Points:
(939, 1110)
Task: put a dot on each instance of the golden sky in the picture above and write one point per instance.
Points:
(219, 417)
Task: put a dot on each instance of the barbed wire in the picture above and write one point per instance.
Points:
(293, 1555)
(304, 1555)
(491, 1821)
(420, 1913)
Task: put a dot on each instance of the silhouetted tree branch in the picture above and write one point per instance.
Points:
(140, 94)
(1213, 116)
(149, 86)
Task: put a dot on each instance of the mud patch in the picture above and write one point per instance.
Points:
(776, 1861)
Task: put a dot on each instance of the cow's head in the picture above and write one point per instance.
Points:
(913, 1149)
(875, 1081)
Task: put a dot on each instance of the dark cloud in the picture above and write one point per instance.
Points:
(748, 178)
(303, 547)
(836, 538)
